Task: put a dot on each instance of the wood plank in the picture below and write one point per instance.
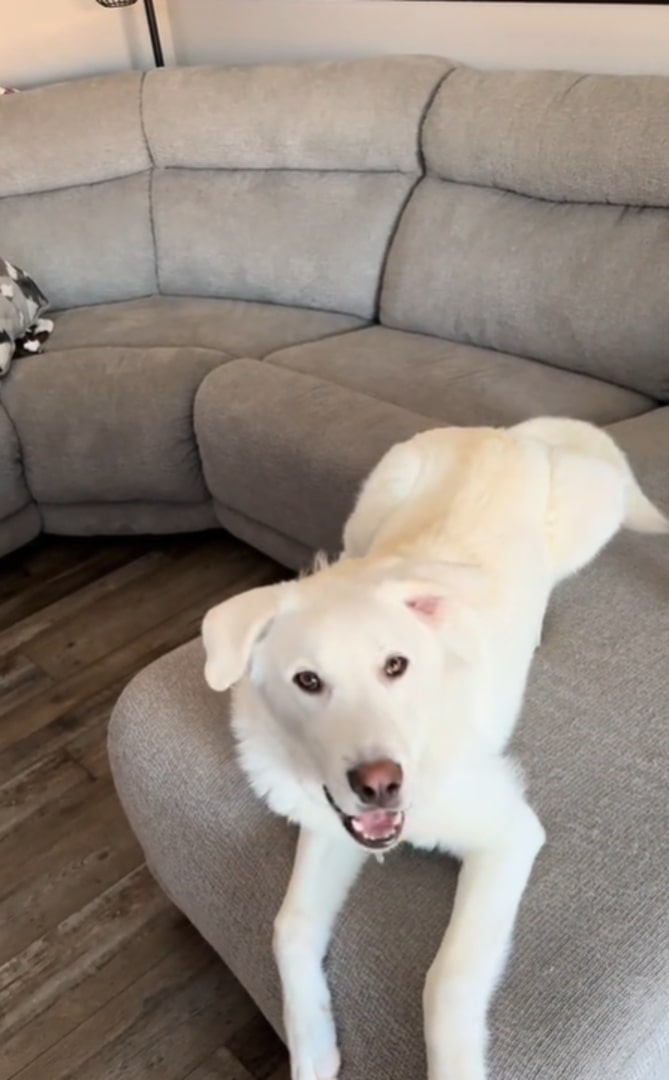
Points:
(77, 870)
(161, 1025)
(257, 1046)
(36, 786)
(33, 979)
(20, 678)
(55, 831)
(100, 976)
(94, 562)
(158, 936)
(222, 1065)
(88, 636)
(44, 557)
(45, 618)
(126, 659)
(283, 1072)
(92, 713)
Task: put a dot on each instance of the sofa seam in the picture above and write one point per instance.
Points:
(462, 377)
(152, 172)
(427, 174)
(153, 345)
(79, 185)
(367, 325)
(421, 174)
(420, 153)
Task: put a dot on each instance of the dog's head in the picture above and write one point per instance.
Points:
(355, 663)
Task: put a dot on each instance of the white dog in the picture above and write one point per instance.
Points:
(377, 696)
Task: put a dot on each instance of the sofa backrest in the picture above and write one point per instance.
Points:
(284, 184)
(542, 226)
(279, 184)
(74, 190)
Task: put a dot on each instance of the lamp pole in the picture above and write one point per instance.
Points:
(151, 22)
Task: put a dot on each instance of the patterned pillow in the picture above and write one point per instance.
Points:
(21, 305)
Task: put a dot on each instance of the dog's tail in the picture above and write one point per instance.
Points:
(640, 514)
(594, 491)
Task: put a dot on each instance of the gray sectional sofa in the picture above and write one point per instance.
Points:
(264, 277)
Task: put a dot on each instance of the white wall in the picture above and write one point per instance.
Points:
(46, 40)
(586, 37)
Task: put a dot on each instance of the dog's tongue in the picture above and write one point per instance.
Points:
(376, 824)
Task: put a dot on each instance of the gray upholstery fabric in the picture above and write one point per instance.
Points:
(110, 424)
(359, 115)
(73, 133)
(84, 245)
(307, 238)
(123, 518)
(457, 384)
(19, 528)
(237, 327)
(585, 996)
(646, 441)
(581, 287)
(13, 491)
(284, 549)
(297, 473)
(553, 134)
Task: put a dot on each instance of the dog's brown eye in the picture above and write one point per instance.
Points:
(395, 666)
(308, 681)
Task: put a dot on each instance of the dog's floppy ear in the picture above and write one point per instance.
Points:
(230, 630)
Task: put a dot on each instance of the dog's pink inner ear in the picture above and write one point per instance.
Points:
(430, 607)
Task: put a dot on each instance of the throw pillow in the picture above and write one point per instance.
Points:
(22, 330)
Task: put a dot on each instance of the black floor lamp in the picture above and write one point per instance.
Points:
(151, 20)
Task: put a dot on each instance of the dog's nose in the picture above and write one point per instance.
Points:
(376, 783)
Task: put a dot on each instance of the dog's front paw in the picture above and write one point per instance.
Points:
(325, 1067)
(314, 1052)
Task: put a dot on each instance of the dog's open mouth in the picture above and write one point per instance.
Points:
(374, 829)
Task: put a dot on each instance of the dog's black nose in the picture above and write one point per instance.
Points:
(376, 783)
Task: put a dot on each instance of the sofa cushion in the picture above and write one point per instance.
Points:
(126, 518)
(542, 228)
(288, 450)
(553, 134)
(458, 384)
(84, 244)
(360, 115)
(315, 239)
(79, 132)
(108, 424)
(283, 549)
(19, 528)
(237, 327)
(580, 286)
(586, 991)
(14, 494)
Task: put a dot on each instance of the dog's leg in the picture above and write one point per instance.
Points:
(471, 958)
(323, 873)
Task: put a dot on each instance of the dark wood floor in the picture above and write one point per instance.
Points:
(100, 977)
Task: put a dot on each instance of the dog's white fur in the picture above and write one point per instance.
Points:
(450, 556)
